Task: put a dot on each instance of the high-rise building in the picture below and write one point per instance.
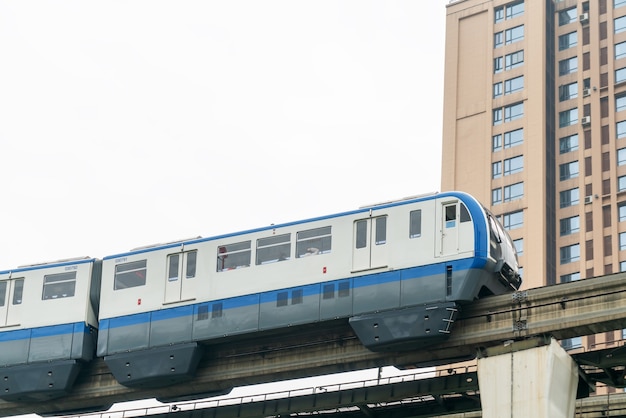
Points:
(535, 127)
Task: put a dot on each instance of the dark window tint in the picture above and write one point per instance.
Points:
(3, 293)
(415, 224)
(381, 230)
(60, 285)
(361, 234)
(17, 291)
(130, 275)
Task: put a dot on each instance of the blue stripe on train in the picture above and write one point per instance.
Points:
(308, 290)
(23, 334)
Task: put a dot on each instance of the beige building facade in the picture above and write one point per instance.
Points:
(535, 128)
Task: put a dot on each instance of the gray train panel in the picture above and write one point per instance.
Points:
(124, 338)
(377, 292)
(336, 300)
(422, 285)
(38, 381)
(14, 351)
(171, 326)
(288, 307)
(226, 317)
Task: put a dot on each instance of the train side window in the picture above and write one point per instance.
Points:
(233, 256)
(18, 289)
(361, 234)
(450, 216)
(344, 289)
(190, 272)
(131, 274)
(313, 242)
(297, 296)
(60, 285)
(415, 224)
(3, 293)
(217, 310)
(273, 249)
(465, 216)
(381, 230)
(172, 274)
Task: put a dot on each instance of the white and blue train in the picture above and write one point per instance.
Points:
(397, 272)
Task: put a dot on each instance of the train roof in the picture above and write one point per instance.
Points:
(363, 209)
(48, 264)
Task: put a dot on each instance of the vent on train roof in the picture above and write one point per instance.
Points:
(63, 260)
(398, 200)
(162, 244)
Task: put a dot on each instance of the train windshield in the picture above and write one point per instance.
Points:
(496, 237)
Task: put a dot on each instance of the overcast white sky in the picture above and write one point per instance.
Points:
(126, 123)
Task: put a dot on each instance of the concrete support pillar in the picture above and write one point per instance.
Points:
(537, 382)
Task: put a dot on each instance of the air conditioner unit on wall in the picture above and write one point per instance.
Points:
(588, 200)
(584, 18)
(586, 120)
(586, 91)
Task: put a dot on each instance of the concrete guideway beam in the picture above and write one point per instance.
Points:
(538, 382)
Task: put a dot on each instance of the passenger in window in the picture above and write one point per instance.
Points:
(311, 251)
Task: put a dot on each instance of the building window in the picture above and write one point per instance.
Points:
(570, 225)
(620, 75)
(570, 253)
(496, 196)
(513, 220)
(519, 246)
(622, 241)
(498, 39)
(513, 60)
(514, 9)
(496, 170)
(513, 112)
(568, 66)
(569, 197)
(497, 117)
(514, 84)
(620, 102)
(497, 89)
(572, 277)
(513, 165)
(513, 35)
(621, 212)
(620, 50)
(498, 65)
(621, 183)
(569, 40)
(620, 24)
(621, 156)
(568, 144)
(513, 138)
(498, 14)
(620, 129)
(567, 16)
(513, 192)
(618, 3)
(568, 117)
(568, 91)
(568, 170)
(496, 142)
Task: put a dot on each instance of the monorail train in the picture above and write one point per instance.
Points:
(397, 272)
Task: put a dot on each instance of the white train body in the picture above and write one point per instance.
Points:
(398, 272)
(48, 326)
(411, 256)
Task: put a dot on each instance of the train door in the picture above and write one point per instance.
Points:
(181, 272)
(369, 243)
(448, 242)
(11, 292)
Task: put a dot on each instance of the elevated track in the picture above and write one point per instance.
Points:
(563, 311)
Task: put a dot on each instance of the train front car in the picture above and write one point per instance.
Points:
(472, 256)
(48, 327)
